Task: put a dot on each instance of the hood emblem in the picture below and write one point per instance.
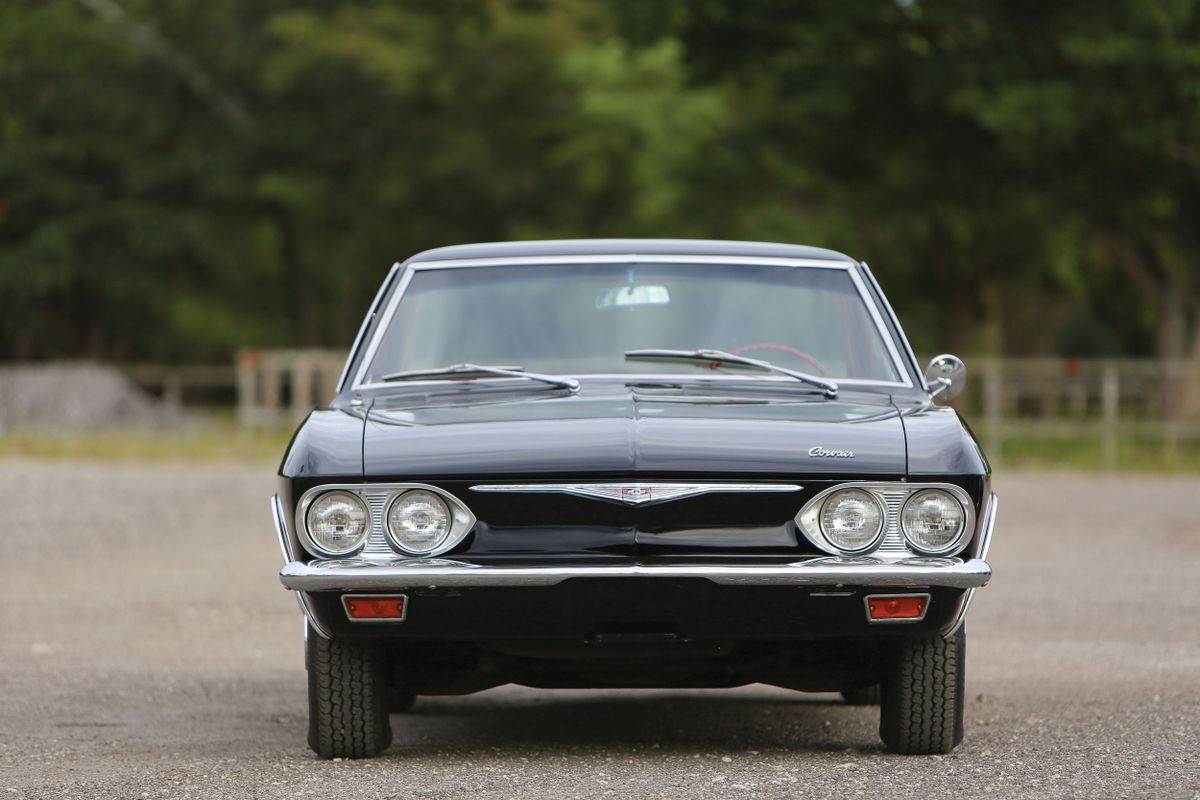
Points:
(822, 452)
(635, 494)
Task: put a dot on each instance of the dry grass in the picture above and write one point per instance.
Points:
(220, 439)
(217, 442)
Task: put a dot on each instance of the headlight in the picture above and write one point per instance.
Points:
(337, 523)
(418, 521)
(932, 521)
(852, 520)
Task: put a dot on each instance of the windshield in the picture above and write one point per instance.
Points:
(577, 319)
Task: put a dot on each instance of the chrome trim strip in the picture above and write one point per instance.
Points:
(285, 542)
(464, 519)
(989, 522)
(401, 574)
(985, 542)
(635, 493)
(887, 306)
(372, 311)
(384, 323)
(289, 556)
(410, 268)
(631, 258)
(903, 620)
(808, 523)
(884, 333)
(375, 596)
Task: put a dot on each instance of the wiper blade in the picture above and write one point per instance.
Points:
(721, 357)
(468, 371)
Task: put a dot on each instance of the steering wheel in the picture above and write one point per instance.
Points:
(785, 348)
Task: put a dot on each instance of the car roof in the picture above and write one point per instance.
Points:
(640, 247)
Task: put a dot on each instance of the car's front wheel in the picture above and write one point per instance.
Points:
(347, 698)
(921, 708)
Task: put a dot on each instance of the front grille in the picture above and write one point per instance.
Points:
(893, 540)
(377, 544)
(510, 523)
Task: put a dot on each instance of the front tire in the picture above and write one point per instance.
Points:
(347, 698)
(921, 709)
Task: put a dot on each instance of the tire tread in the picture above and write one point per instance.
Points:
(923, 691)
(347, 699)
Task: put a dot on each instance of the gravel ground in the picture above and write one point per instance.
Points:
(140, 661)
(66, 397)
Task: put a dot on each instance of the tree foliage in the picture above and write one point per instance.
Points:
(181, 178)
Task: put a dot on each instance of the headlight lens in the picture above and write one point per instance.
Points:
(932, 521)
(418, 521)
(852, 520)
(337, 523)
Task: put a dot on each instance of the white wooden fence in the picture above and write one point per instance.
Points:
(1106, 399)
(1040, 398)
(279, 387)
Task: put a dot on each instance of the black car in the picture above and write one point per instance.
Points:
(635, 463)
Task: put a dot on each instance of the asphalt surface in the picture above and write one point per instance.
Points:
(149, 651)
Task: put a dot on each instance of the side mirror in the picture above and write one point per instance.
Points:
(946, 377)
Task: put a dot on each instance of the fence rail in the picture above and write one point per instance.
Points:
(276, 387)
(1107, 399)
(1041, 398)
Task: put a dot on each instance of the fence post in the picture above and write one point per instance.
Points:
(1174, 381)
(993, 408)
(246, 375)
(1110, 395)
(173, 389)
(302, 387)
(271, 377)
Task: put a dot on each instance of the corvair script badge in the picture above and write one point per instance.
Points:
(635, 494)
(821, 452)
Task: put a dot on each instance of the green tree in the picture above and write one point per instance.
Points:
(181, 178)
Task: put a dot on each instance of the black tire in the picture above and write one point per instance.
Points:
(347, 698)
(867, 696)
(921, 712)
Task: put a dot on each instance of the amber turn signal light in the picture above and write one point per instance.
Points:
(375, 606)
(885, 607)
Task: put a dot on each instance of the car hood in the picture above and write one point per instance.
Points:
(623, 431)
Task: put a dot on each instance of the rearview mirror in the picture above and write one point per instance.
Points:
(628, 296)
(946, 377)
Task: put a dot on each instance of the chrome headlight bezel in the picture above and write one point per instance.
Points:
(310, 542)
(378, 498)
(876, 537)
(892, 496)
(391, 534)
(953, 545)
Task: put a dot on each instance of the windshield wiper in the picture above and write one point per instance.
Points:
(721, 357)
(480, 371)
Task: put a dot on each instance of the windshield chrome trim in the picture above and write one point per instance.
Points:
(630, 258)
(849, 267)
(888, 340)
(914, 362)
(372, 311)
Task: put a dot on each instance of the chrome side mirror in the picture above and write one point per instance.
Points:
(946, 377)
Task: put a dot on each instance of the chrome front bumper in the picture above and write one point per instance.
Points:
(383, 575)
(371, 575)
